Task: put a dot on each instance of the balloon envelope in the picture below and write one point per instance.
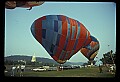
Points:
(60, 35)
(90, 51)
(24, 4)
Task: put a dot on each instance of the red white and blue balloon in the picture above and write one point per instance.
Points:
(62, 37)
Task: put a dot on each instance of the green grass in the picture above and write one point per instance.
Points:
(80, 72)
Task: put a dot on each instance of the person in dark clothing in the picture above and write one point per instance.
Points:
(100, 68)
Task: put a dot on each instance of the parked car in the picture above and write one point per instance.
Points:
(39, 69)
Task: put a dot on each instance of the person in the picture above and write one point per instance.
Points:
(18, 67)
(22, 70)
(13, 71)
(100, 68)
(112, 69)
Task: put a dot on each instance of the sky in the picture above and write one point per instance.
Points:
(98, 17)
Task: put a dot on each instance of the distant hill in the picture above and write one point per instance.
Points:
(38, 59)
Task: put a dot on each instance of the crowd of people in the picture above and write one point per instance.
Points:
(19, 68)
(111, 68)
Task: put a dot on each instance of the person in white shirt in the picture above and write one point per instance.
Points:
(111, 69)
(22, 70)
(13, 71)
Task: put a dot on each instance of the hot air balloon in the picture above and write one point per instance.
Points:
(24, 4)
(61, 36)
(90, 51)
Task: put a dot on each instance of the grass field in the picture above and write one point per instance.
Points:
(79, 72)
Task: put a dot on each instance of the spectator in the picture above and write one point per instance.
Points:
(18, 68)
(22, 70)
(112, 69)
(100, 68)
(13, 71)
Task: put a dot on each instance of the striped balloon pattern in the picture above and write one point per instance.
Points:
(62, 37)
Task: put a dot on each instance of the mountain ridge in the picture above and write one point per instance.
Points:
(38, 59)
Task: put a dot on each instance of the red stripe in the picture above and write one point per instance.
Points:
(70, 45)
(62, 41)
(70, 28)
(74, 22)
(38, 29)
(75, 29)
(71, 21)
(55, 58)
(63, 18)
(57, 54)
(64, 28)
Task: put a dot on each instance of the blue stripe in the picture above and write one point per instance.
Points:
(68, 32)
(78, 23)
(61, 55)
(66, 55)
(55, 26)
(44, 33)
(58, 38)
(52, 48)
(73, 32)
(68, 20)
(50, 24)
(48, 47)
(78, 31)
(51, 17)
(59, 17)
(94, 39)
(66, 42)
(44, 42)
(54, 38)
(60, 27)
(75, 44)
(49, 35)
(88, 47)
(55, 50)
(44, 24)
